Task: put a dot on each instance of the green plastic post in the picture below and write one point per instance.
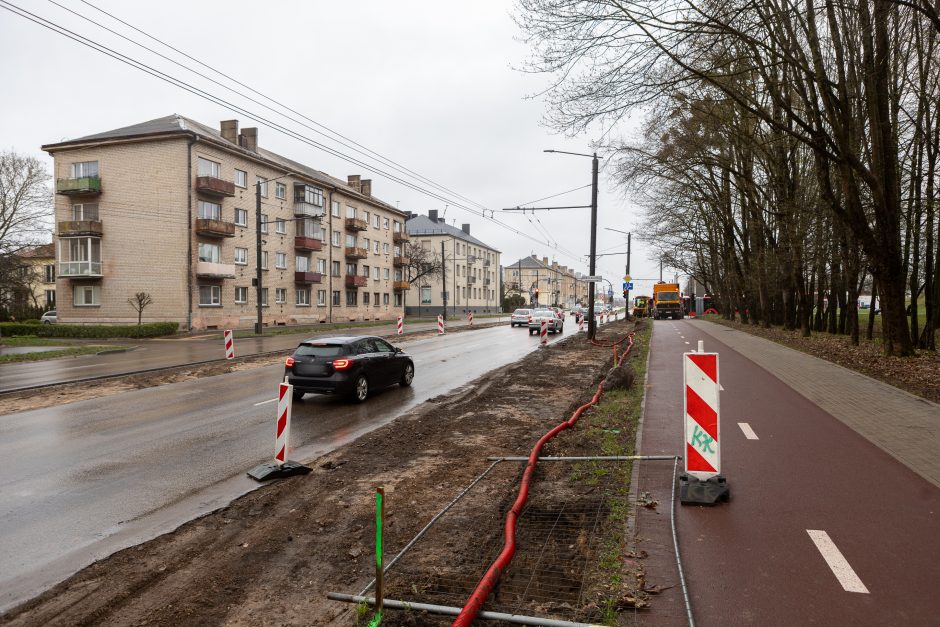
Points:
(379, 575)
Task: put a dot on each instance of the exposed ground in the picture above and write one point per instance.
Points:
(273, 555)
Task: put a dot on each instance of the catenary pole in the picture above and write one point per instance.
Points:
(258, 254)
(591, 326)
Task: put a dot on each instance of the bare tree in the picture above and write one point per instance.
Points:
(139, 301)
(25, 203)
(423, 263)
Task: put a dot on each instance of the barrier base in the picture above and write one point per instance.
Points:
(694, 491)
(272, 470)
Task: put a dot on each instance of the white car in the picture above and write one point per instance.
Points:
(48, 318)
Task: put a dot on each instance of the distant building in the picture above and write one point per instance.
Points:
(33, 285)
(169, 207)
(471, 269)
(544, 283)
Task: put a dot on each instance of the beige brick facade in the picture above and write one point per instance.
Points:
(556, 284)
(190, 240)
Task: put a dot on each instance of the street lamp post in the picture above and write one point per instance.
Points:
(628, 234)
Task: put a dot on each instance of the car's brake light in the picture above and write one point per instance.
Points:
(289, 362)
(342, 364)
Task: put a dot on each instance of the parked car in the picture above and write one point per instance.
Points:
(520, 317)
(48, 318)
(553, 321)
(350, 366)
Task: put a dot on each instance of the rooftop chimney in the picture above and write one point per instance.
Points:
(353, 181)
(230, 130)
(545, 261)
(432, 215)
(366, 187)
(249, 139)
(465, 228)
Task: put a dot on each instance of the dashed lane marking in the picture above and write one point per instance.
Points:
(837, 562)
(748, 432)
(721, 387)
(686, 342)
(270, 400)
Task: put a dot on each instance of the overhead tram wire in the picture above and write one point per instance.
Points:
(355, 147)
(81, 39)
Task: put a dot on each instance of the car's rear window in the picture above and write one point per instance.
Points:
(320, 350)
(521, 312)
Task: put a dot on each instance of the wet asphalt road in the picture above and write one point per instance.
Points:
(81, 481)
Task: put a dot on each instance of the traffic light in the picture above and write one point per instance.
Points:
(536, 292)
(625, 293)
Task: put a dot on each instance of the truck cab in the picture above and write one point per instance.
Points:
(667, 301)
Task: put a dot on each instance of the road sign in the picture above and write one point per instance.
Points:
(627, 278)
(610, 294)
(628, 286)
(702, 430)
(593, 279)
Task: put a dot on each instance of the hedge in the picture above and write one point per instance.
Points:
(151, 329)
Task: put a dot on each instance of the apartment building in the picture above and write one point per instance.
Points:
(33, 283)
(169, 207)
(544, 283)
(471, 269)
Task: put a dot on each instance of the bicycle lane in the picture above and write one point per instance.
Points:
(807, 491)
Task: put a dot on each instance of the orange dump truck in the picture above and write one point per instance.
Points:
(666, 301)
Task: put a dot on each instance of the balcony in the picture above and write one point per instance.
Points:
(82, 186)
(307, 210)
(214, 186)
(210, 270)
(486, 263)
(355, 281)
(356, 253)
(355, 224)
(486, 281)
(400, 261)
(307, 243)
(399, 236)
(307, 277)
(471, 280)
(80, 269)
(215, 228)
(401, 285)
(80, 227)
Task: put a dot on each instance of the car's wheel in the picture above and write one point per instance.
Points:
(298, 395)
(407, 376)
(361, 391)
(46, 322)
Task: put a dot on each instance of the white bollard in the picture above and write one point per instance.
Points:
(401, 326)
(544, 333)
(440, 325)
(229, 344)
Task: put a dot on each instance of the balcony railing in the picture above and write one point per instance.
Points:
(307, 243)
(355, 224)
(212, 270)
(471, 280)
(400, 261)
(214, 186)
(307, 210)
(400, 236)
(355, 280)
(307, 277)
(401, 285)
(215, 228)
(84, 185)
(353, 252)
(80, 269)
(486, 262)
(486, 281)
(80, 227)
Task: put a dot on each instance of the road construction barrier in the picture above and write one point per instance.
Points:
(470, 318)
(440, 325)
(543, 333)
(284, 397)
(580, 323)
(401, 326)
(702, 425)
(229, 344)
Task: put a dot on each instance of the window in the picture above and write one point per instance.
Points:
(365, 298)
(210, 296)
(241, 295)
(321, 266)
(398, 299)
(375, 273)
(303, 297)
(426, 295)
(396, 226)
(264, 223)
(365, 243)
(350, 241)
(375, 221)
(321, 298)
(309, 228)
(365, 216)
(365, 271)
(86, 211)
(241, 217)
(385, 225)
(280, 190)
(264, 185)
(84, 168)
(50, 298)
(336, 298)
(386, 273)
(280, 226)
(302, 264)
(86, 295)
(351, 269)
(375, 247)
(49, 272)
(350, 212)
(352, 298)
(335, 269)
(209, 168)
(375, 299)
(337, 238)
(211, 253)
(385, 299)
(241, 178)
(280, 295)
(280, 260)
(335, 209)
(209, 210)
(241, 256)
(398, 275)
(309, 194)
(264, 260)
(385, 249)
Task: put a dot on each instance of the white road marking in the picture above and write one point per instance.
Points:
(721, 387)
(686, 342)
(270, 400)
(837, 562)
(748, 432)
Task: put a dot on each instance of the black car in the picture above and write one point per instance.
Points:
(350, 366)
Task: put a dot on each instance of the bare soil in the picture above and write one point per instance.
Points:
(271, 557)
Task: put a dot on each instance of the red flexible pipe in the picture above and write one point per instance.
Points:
(475, 603)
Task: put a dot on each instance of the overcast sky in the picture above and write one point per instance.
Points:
(433, 86)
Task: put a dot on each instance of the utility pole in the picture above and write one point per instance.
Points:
(444, 279)
(258, 254)
(591, 326)
(627, 304)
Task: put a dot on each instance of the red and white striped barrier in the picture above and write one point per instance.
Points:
(229, 344)
(284, 397)
(702, 425)
(470, 317)
(440, 325)
(543, 333)
(401, 326)
(580, 323)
